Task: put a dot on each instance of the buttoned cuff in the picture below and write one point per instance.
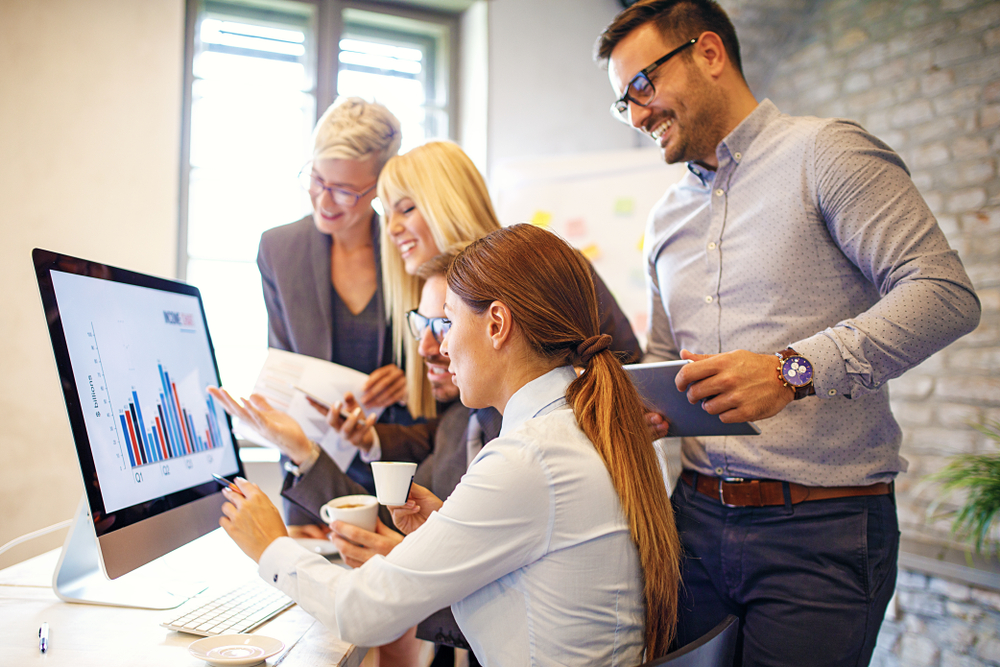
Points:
(374, 452)
(830, 378)
(279, 565)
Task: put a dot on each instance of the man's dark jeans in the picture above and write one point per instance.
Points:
(809, 582)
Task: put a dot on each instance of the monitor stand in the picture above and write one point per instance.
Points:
(80, 578)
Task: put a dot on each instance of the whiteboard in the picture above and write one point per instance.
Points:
(599, 202)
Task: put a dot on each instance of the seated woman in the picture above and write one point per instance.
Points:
(558, 545)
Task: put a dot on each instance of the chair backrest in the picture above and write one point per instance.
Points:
(716, 648)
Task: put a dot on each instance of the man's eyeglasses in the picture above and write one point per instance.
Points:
(341, 196)
(640, 89)
(418, 325)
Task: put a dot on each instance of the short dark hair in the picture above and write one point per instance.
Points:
(682, 19)
(436, 266)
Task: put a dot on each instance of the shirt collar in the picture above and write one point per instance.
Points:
(737, 142)
(734, 146)
(539, 397)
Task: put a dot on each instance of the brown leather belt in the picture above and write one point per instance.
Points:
(738, 492)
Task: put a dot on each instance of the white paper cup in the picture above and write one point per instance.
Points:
(392, 481)
(360, 511)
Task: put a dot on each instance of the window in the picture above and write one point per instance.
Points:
(260, 73)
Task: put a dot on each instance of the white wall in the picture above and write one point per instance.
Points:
(546, 94)
(90, 112)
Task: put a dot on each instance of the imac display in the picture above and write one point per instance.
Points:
(134, 358)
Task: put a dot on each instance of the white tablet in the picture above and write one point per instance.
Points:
(655, 383)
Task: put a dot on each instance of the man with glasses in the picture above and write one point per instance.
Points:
(799, 270)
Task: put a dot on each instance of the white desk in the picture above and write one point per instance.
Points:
(83, 635)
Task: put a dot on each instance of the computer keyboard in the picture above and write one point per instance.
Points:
(239, 609)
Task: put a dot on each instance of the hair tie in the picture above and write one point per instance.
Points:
(588, 348)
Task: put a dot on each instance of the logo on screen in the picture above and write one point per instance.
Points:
(180, 319)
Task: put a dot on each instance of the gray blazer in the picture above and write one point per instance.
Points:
(294, 263)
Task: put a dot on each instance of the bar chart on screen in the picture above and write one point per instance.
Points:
(170, 432)
(142, 373)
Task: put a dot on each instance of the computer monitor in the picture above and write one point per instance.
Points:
(134, 358)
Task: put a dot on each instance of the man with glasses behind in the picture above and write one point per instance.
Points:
(799, 270)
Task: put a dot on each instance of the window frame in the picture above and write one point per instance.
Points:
(329, 29)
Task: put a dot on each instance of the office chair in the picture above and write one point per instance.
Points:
(715, 648)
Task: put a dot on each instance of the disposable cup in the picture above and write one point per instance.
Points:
(392, 481)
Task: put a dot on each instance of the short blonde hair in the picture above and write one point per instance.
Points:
(354, 129)
(452, 197)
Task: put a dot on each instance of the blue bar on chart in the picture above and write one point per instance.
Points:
(171, 432)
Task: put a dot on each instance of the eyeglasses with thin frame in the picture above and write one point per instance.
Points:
(340, 195)
(640, 89)
(418, 325)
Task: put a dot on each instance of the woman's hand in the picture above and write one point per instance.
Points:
(357, 545)
(419, 506)
(273, 424)
(251, 519)
(385, 386)
(356, 429)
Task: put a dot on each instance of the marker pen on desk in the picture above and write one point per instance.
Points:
(226, 483)
(43, 638)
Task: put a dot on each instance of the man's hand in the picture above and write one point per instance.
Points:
(385, 386)
(357, 545)
(356, 429)
(738, 386)
(659, 425)
(250, 519)
(273, 424)
(419, 506)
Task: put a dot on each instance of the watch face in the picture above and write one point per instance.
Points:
(797, 371)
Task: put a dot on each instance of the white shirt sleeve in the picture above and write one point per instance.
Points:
(498, 520)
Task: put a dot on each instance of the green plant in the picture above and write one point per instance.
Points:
(979, 476)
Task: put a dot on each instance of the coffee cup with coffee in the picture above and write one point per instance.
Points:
(392, 481)
(359, 510)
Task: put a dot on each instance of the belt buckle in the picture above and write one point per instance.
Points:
(728, 480)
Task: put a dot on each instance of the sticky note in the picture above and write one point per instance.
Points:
(541, 219)
(624, 206)
(576, 227)
(591, 252)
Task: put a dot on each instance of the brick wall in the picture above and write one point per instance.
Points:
(940, 624)
(924, 76)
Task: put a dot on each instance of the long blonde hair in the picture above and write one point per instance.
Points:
(451, 195)
(548, 288)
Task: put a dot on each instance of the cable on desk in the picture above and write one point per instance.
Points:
(37, 533)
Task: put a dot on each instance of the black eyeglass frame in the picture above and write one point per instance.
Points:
(418, 324)
(307, 179)
(619, 108)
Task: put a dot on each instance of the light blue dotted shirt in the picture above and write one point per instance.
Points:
(811, 235)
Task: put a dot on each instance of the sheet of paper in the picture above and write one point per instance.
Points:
(282, 373)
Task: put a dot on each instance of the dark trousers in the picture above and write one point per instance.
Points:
(809, 582)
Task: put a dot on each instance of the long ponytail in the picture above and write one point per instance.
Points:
(609, 411)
